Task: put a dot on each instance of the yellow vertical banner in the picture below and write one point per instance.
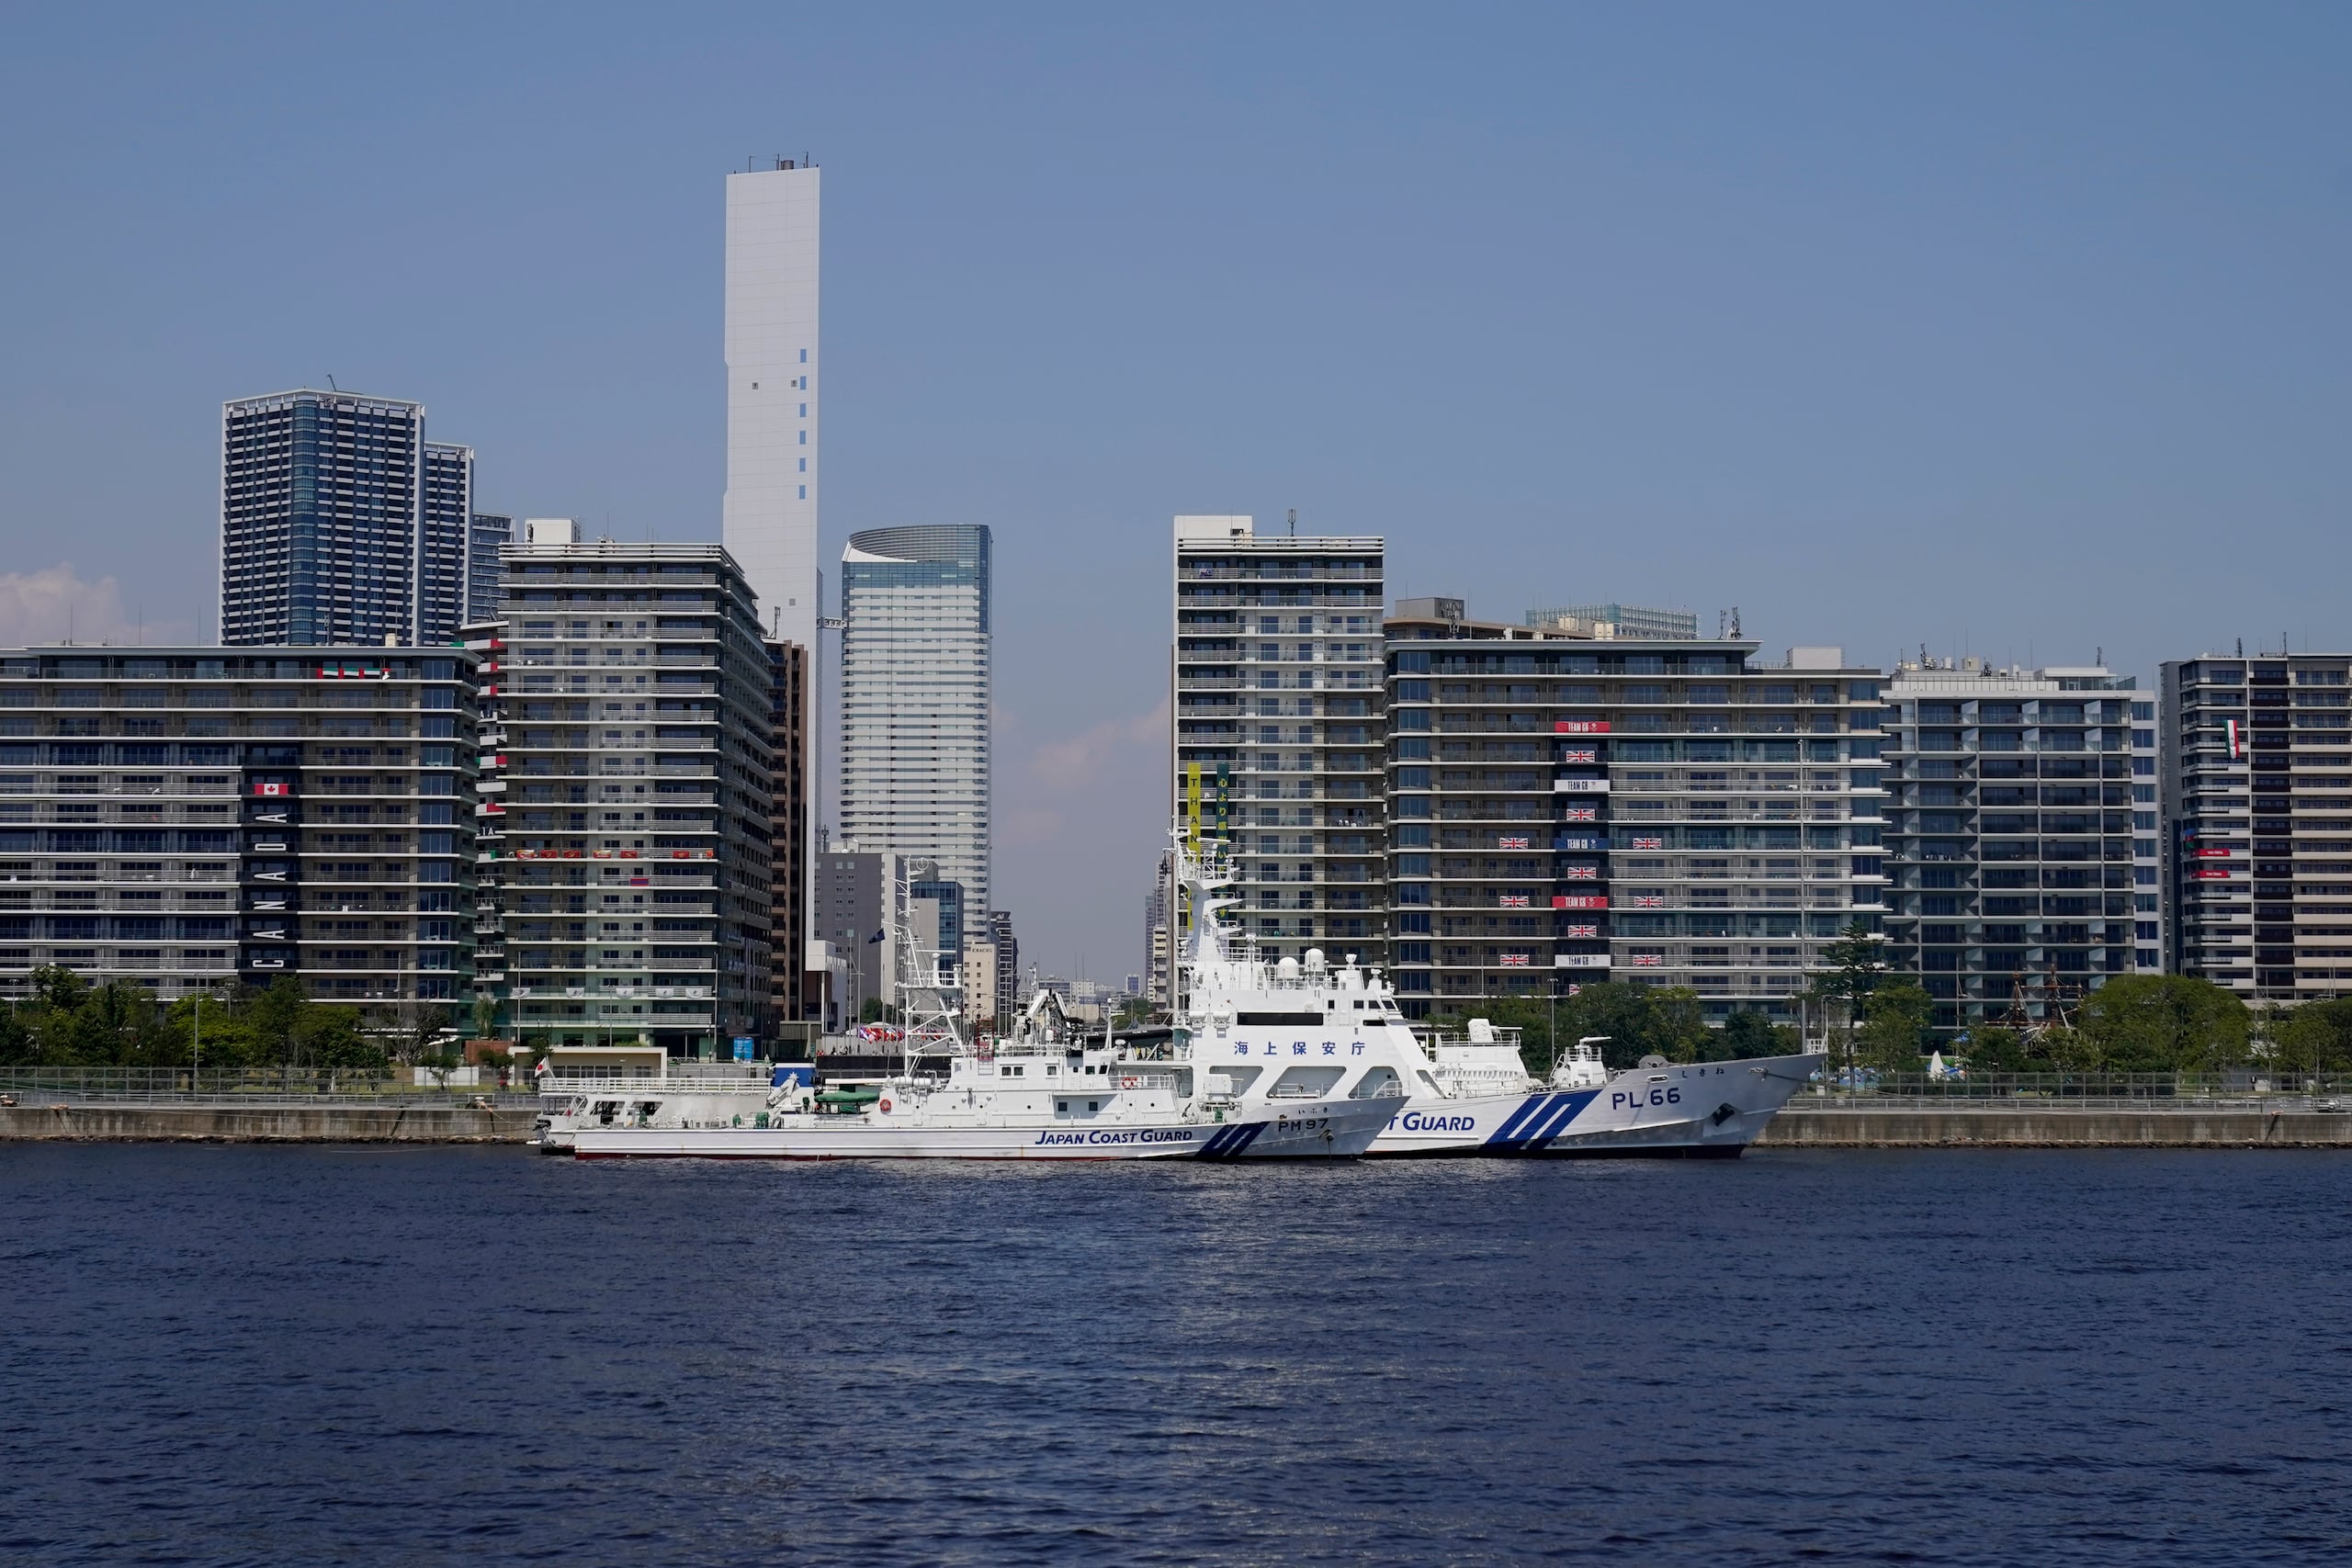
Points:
(1193, 806)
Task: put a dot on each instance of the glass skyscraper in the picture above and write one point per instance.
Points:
(915, 694)
(340, 524)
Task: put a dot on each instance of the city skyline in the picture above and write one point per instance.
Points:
(1777, 324)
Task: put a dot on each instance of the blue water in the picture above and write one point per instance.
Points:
(311, 1355)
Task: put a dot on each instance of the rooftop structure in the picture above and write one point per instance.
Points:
(1621, 620)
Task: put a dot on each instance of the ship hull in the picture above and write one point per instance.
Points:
(1321, 1130)
(1693, 1109)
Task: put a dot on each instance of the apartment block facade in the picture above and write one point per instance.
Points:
(2022, 837)
(2255, 770)
(1277, 706)
(341, 525)
(189, 818)
(1664, 812)
(630, 775)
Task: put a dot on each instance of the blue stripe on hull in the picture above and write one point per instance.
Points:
(1559, 1123)
(1502, 1134)
(1537, 1122)
(1230, 1141)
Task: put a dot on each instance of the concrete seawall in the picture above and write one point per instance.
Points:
(99, 1122)
(1801, 1126)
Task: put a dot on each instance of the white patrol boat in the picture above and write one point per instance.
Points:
(1046, 1094)
(1469, 1095)
(1475, 1096)
(569, 1101)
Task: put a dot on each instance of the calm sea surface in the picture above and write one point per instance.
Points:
(313, 1355)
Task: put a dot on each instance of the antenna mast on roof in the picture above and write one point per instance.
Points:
(1293, 522)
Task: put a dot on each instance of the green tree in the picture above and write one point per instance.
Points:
(1894, 1028)
(1853, 967)
(2072, 1051)
(1623, 1014)
(1747, 1033)
(1677, 1026)
(1993, 1049)
(2309, 1039)
(2163, 1023)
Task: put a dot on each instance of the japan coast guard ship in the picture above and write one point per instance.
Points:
(1048, 1093)
(1302, 1024)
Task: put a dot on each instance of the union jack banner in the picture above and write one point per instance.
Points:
(1582, 873)
(1579, 754)
(1649, 960)
(1511, 843)
(1648, 901)
(1511, 900)
(1581, 814)
(1514, 961)
(1650, 841)
(1580, 930)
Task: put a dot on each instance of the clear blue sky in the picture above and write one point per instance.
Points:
(2014, 330)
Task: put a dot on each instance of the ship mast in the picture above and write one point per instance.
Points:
(930, 993)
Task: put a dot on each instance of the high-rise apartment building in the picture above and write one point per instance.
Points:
(1005, 949)
(187, 818)
(789, 674)
(491, 532)
(1156, 932)
(2255, 770)
(1670, 812)
(638, 712)
(1276, 714)
(2021, 840)
(341, 525)
(915, 684)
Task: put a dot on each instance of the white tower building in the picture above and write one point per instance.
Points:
(773, 387)
(915, 695)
